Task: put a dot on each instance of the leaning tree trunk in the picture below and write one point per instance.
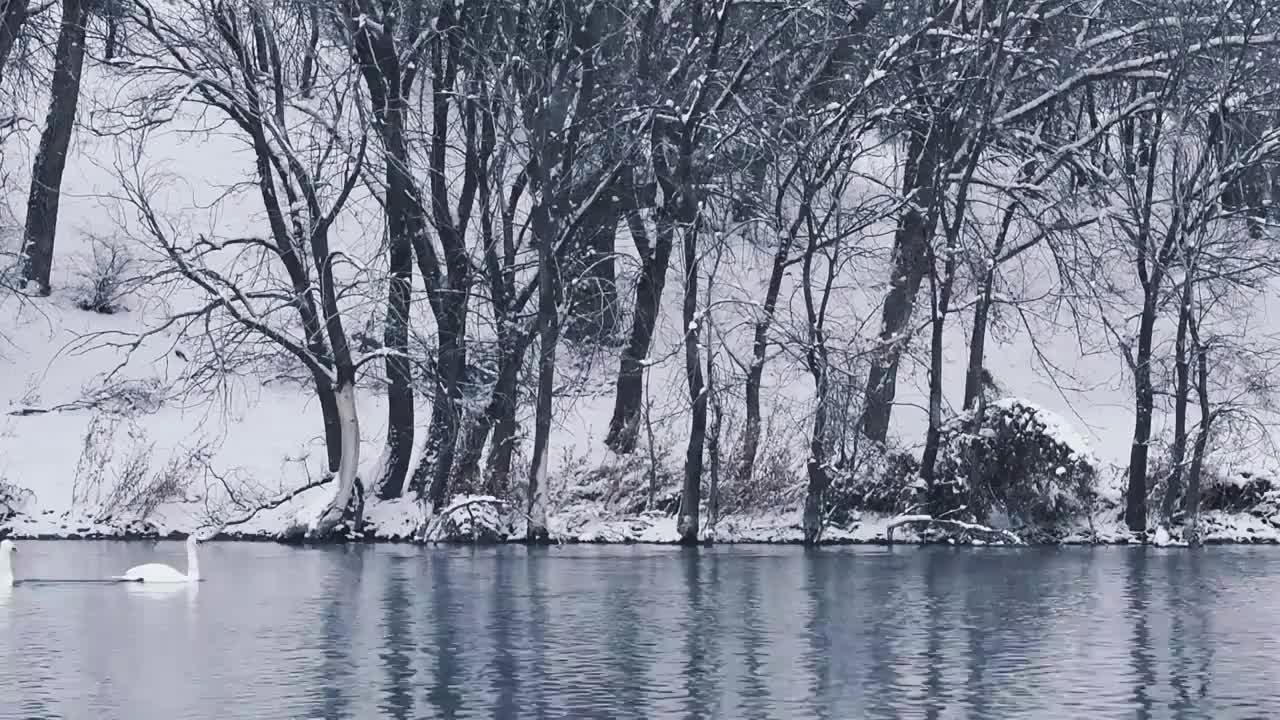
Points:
(324, 523)
(624, 425)
(755, 371)
(13, 13)
(910, 243)
(51, 159)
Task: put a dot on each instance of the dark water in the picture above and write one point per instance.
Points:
(583, 632)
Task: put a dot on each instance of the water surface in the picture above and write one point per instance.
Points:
(645, 632)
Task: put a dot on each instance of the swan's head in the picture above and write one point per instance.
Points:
(7, 548)
(192, 541)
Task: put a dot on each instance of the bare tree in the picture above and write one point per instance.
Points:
(210, 50)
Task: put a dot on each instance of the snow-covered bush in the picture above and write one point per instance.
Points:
(1019, 459)
(1238, 492)
(105, 277)
(475, 519)
(881, 482)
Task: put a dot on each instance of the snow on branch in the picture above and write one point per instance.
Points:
(990, 533)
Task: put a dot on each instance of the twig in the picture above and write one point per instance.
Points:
(281, 500)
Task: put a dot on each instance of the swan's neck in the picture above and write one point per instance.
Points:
(193, 563)
(6, 568)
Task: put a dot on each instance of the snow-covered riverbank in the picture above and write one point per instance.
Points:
(480, 519)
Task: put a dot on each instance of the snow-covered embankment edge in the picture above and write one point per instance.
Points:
(479, 519)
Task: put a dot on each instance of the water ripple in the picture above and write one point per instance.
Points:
(581, 632)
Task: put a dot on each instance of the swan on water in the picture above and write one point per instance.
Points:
(7, 551)
(161, 573)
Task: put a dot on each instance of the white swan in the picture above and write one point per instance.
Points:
(161, 573)
(7, 551)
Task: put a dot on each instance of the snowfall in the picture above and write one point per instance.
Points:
(88, 419)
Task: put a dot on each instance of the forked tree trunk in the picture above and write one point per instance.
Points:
(51, 159)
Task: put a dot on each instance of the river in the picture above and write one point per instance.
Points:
(644, 632)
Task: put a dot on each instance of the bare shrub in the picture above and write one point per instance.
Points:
(115, 475)
(13, 499)
(775, 483)
(105, 278)
(125, 396)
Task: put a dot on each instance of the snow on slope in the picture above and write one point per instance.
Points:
(267, 433)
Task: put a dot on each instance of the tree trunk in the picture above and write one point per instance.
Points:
(51, 160)
(1191, 501)
(113, 12)
(332, 422)
(815, 466)
(404, 225)
(13, 13)
(624, 425)
(1135, 514)
(817, 360)
(910, 243)
(466, 471)
(691, 495)
(973, 376)
(1181, 395)
(548, 317)
(442, 438)
(308, 81)
(755, 372)
(713, 441)
(324, 523)
(400, 412)
(933, 435)
(503, 444)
